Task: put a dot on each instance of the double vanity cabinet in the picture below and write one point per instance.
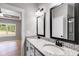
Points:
(41, 47)
(32, 50)
(64, 26)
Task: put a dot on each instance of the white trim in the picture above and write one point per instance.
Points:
(10, 7)
(23, 34)
(8, 36)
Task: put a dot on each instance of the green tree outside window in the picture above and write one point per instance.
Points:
(8, 29)
(2, 27)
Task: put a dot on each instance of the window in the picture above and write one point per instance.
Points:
(7, 29)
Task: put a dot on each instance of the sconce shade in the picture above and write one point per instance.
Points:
(39, 12)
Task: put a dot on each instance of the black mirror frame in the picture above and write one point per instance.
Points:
(43, 35)
(61, 39)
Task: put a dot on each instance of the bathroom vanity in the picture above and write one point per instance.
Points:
(41, 47)
(64, 27)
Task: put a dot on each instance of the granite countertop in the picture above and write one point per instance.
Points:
(39, 44)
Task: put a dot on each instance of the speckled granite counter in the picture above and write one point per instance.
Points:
(39, 44)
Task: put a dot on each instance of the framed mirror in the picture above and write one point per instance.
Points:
(58, 22)
(63, 22)
(41, 25)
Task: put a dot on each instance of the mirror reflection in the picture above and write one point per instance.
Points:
(62, 21)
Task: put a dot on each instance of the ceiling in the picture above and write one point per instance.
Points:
(21, 5)
(25, 5)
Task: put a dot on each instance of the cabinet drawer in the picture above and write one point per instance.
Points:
(31, 50)
(27, 48)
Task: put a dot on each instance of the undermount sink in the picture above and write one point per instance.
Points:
(53, 50)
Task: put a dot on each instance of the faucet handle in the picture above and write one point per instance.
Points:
(57, 42)
(61, 43)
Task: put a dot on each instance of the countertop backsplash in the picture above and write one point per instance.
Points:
(66, 44)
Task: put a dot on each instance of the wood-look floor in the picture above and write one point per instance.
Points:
(10, 48)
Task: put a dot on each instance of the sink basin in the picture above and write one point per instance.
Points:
(53, 50)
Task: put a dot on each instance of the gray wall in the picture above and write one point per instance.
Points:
(30, 19)
(29, 22)
(18, 30)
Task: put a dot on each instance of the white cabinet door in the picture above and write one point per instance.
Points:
(27, 48)
(31, 50)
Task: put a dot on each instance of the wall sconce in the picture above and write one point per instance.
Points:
(39, 12)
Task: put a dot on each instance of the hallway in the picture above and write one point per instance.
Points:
(10, 48)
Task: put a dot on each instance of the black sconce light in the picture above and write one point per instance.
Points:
(39, 12)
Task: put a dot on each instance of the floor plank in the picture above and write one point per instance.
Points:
(10, 48)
